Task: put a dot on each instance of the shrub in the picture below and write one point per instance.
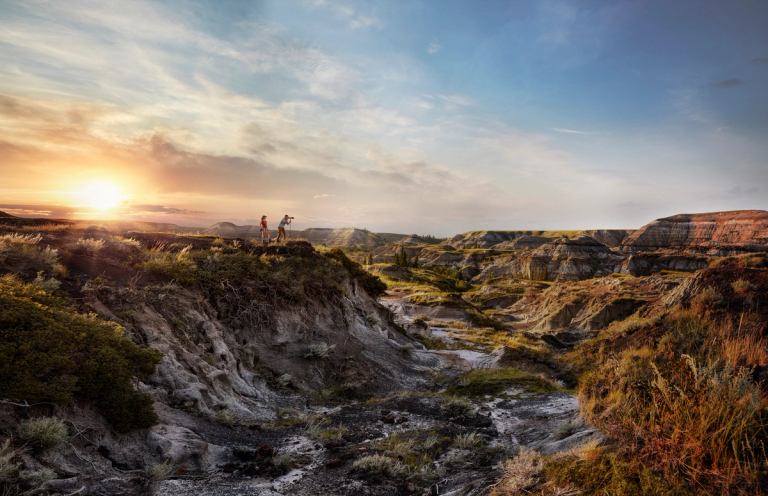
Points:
(43, 432)
(49, 352)
(381, 466)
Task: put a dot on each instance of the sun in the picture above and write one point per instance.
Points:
(99, 195)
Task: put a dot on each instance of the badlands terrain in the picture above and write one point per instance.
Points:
(140, 358)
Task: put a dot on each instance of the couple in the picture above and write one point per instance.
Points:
(266, 237)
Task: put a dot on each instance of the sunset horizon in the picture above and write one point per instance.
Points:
(389, 117)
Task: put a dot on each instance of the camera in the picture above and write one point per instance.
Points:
(291, 217)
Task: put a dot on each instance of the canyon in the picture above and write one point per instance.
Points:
(379, 364)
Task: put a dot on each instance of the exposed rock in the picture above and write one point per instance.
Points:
(562, 259)
(643, 264)
(523, 243)
(738, 230)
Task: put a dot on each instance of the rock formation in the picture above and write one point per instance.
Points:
(738, 230)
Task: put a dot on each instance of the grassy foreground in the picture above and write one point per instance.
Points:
(681, 398)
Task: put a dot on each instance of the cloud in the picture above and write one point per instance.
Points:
(37, 210)
(353, 18)
(566, 130)
(321, 196)
(727, 83)
(159, 209)
(434, 47)
(760, 60)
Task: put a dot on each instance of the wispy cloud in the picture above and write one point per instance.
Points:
(760, 60)
(434, 47)
(566, 130)
(354, 18)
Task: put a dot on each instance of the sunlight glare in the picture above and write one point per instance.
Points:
(99, 195)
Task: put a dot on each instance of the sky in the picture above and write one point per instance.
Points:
(431, 117)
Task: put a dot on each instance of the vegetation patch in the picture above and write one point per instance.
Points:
(480, 382)
(49, 352)
(680, 396)
(43, 432)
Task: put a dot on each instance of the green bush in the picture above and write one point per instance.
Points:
(49, 352)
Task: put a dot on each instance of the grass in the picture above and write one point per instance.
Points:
(90, 245)
(161, 471)
(22, 254)
(468, 441)
(520, 474)
(481, 382)
(320, 350)
(413, 452)
(9, 468)
(43, 432)
(456, 407)
(677, 397)
(380, 466)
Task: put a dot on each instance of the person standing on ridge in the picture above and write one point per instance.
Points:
(265, 237)
(286, 221)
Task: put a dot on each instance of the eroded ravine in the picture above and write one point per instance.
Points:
(470, 442)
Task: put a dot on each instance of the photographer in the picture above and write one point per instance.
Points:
(281, 228)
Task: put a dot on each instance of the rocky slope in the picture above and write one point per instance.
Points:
(739, 230)
(505, 239)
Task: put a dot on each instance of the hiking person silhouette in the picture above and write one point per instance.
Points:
(265, 236)
(285, 221)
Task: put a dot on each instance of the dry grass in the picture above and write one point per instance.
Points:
(521, 474)
(90, 245)
(687, 407)
(43, 432)
(380, 466)
(8, 467)
(161, 471)
(468, 441)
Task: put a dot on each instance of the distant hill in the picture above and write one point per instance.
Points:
(489, 239)
(7, 219)
(344, 237)
(732, 230)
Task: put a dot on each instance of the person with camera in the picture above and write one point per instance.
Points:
(281, 228)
